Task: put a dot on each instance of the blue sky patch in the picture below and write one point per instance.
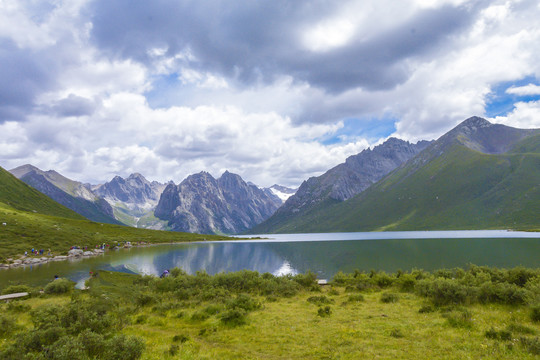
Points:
(371, 129)
(500, 103)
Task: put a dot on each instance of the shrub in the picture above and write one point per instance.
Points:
(535, 313)
(7, 325)
(389, 298)
(141, 319)
(324, 311)
(503, 335)
(124, 347)
(173, 349)
(16, 306)
(59, 286)
(199, 316)
(93, 343)
(333, 292)
(382, 280)
(443, 291)
(12, 289)
(234, 317)
(426, 309)
(243, 302)
(461, 318)
(319, 300)
(502, 293)
(143, 299)
(307, 280)
(180, 338)
(356, 298)
(406, 282)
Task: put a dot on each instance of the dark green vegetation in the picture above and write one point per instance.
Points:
(35, 221)
(459, 182)
(480, 312)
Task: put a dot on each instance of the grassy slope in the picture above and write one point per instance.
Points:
(26, 230)
(461, 189)
(20, 196)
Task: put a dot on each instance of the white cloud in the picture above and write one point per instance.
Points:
(216, 115)
(530, 89)
(525, 115)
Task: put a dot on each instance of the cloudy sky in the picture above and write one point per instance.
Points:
(275, 91)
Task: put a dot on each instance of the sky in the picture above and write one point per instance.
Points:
(275, 91)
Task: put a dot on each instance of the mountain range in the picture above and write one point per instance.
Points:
(72, 194)
(479, 175)
(344, 181)
(204, 204)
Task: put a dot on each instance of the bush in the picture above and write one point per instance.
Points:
(143, 299)
(234, 317)
(16, 306)
(244, 302)
(324, 311)
(124, 347)
(199, 316)
(307, 280)
(12, 289)
(406, 282)
(180, 338)
(7, 325)
(502, 293)
(426, 309)
(503, 335)
(460, 318)
(59, 286)
(356, 298)
(535, 313)
(443, 291)
(389, 298)
(319, 300)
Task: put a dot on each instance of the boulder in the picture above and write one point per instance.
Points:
(75, 252)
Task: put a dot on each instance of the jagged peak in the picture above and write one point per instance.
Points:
(475, 121)
(136, 175)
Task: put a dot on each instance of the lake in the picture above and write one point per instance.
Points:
(324, 254)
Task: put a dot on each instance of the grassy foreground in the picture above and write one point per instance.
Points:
(479, 313)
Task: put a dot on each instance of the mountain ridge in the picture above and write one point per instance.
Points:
(451, 184)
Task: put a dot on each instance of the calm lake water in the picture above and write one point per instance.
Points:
(324, 254)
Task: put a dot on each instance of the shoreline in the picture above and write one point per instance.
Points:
(74, 253)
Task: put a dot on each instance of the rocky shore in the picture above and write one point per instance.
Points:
(27, 260)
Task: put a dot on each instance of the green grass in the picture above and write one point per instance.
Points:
(289, 327)
(461, 189)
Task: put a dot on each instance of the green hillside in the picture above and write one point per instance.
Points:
(459, 189)
(32, 220)
(20, 196)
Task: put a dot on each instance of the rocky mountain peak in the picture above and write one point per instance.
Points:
(203, 204)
